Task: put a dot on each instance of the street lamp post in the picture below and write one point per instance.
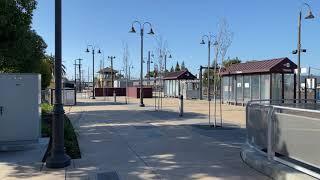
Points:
(141, 63)
(209, 40)
(58, 158)
(299, 50)
(93, 48)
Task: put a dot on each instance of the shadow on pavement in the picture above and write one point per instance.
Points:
(149, 147)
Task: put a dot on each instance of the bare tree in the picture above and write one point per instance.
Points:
(224, 41)
(224, 38)
(161, 49)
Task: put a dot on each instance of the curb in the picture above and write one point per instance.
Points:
(272, 169)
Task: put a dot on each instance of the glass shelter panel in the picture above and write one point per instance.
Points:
(239, 86)
(288, 86)
(246, 88)
(276, 86)
(255, 87)
(225, 88)
(265, 87)
(232, 94)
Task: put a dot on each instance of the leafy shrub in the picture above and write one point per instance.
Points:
(70, 137)
(46, 108)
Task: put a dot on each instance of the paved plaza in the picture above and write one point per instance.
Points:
(127, 142)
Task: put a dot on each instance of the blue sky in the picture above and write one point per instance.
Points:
(262, 29)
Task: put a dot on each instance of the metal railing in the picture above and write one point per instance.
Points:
(286, 132)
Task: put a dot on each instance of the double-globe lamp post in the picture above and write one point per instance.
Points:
(141, 25)
(299, 50)
(58, 158)
(93, 48)
(209, 39)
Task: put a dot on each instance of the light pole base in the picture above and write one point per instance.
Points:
(142, 105)
(93, 97)
(58, 161)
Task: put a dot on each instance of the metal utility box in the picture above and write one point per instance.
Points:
(20, 98)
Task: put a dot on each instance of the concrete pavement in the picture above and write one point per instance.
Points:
(128, 142)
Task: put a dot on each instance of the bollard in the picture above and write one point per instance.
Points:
(181, 105)
(114, 96)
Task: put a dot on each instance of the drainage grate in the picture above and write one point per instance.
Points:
(108, 176)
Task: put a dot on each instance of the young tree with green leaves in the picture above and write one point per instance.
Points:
(230, 62)
(46, 73)
(183, 66)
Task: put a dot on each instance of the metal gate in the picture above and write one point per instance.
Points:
(68, 96)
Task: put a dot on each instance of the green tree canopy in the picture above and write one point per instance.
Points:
(177, 67)
(183, 66)
(21, 49)
(229, 62)
(46, 73)
(151, 74)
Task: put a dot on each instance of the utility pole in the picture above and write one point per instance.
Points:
(130, 67)
(200, 83)
(79, 64)
(75, 74)
(88, 76)
(112, 75)
(82, 75)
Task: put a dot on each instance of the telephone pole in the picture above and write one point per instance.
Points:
(88, 76)
(79, 64)
(75, 74)
(112, 76)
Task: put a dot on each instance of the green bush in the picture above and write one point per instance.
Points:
(70, 137)
(46, 108)
(70, 140)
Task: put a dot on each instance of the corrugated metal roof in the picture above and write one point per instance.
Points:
(278, 65)
(179, 75)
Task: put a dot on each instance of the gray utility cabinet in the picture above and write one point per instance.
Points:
(20, 98)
